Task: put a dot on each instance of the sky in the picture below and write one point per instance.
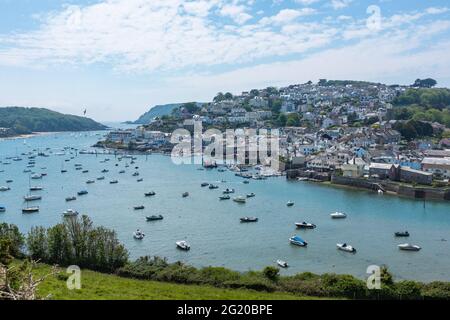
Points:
(118, 58)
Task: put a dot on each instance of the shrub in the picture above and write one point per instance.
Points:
(271, 273)
(15, 239)
(410, 290)
(436, 290)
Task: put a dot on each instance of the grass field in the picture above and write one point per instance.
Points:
(99, 286)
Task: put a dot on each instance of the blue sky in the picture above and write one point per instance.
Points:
(119, 57)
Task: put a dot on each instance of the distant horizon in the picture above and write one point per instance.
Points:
(122, 57)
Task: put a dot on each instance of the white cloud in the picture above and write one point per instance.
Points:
(340, 4)
(306, 2)
(287, 15)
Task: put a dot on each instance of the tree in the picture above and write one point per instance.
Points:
(293, 120)
(219, 97)
(271, 273)
(425, 83)
(228, 96)
(254, 92)
(282, 120)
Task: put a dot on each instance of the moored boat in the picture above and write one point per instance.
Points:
(71, 199)
(30, 210)
(82, 192)
(282, 263)
(228, 191)
(409, 247)
(290, 203)
(36, 188)
(113, 182)
(204, 184)
(70, 213)
(225, 197)
(150, 194)
(240, 200)
(249, 219)
(250, 195)
(402, 234)
(185, 194)
(32, 198)
(338, 215)
(296, 240)
(345, 247)
(138, 235)
(213, 186)
(5, 188)
(305, 225)
(183, 245)
(139, 207)
(2, 208)
(154, 217)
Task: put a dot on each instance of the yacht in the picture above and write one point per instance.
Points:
(183, 245)
(213, 186)
(225, 197)
(150, 194)
(113, 182)
(204, 184)
(5, 188)
(402, 234)
(228, 191)
(70, 213)
(249, 219)
(250, 195)
(338, 215)
(30, 210)
(409, 247)
(345, 247)
(154, 218)
(32, 198)
(305, 225)
(101, 178)
(90, 181)
(282, 264)
(290, 203)
(296, 240)
(240, 200)
(82, 192)
(36, 188)
(139, 207)
(138, 235)
(71, 199)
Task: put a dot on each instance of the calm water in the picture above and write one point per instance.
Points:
(212, 227)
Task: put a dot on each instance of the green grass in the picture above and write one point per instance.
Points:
(99, 286)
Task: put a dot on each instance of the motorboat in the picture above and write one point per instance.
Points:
(71, 199)
(113, 182)
(63, 171)
(90, 181)
(82, 192)
(213, 186)
(402, 234)
(9, 181)
(282, 264)
(70, 213)
(139, 207)
(290, 203)
(138, 235)
(122, 171)
(249, 219)
(225, 197)
(140, 180)
(5, 189)
(305, 225)
(250, 195)
(185, 194)
(204, 184)
(150, 194)
(32, 198)
(296, 240)
(338, 215)
(409, 247)
(228, 191)
(101, 178)
(154, 218)
(183, 245)
(240, 200)
(345, 247)
(36, 188)
(85, 171)
(2, 209)
(36, 176)
(105, 171)
(245, 182)
(30, 210)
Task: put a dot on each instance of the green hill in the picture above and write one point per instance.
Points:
(20, 120)
(158, 111)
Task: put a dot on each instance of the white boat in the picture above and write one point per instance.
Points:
(282, 264)
(183, 245)
(36, 176)
(30, 210)
(338, 215)
(305, 225)
(138, 235)
(4, 188)
(240, 200)
(409, 247)
(70, 213)
(345, 247)
(296, 240)
(290, 203)
(228, 191)
(32, 198)
(250, 195)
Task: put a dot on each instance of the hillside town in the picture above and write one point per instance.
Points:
(343, 129)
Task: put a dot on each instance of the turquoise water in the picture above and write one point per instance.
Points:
(212, 227)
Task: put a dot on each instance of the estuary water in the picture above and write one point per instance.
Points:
(212, 227)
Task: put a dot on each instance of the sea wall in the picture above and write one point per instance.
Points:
(394, 187)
